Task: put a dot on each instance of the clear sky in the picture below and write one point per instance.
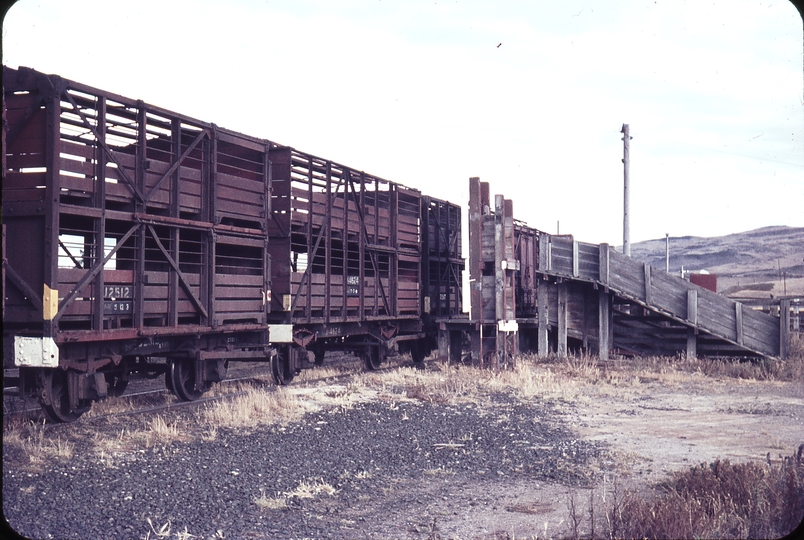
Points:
(528, 95)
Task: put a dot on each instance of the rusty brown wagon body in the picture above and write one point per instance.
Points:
(360, 263)
(139, 240)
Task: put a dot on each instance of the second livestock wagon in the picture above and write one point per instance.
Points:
(359, 263)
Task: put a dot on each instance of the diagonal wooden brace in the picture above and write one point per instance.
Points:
(94, 271)
(175, 165)
(120, 171)
(182, 279)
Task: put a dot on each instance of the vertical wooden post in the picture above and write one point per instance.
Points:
(376, 239)
(784, 328)
(692, 344)
(499, 277)
(511, 264)
(541, 299)
(443, 343)
(575, 265)
(476, 339)
(692, 306)
(692, 317)
(345, 247)
(427, 302)
(212, 190)
(51, 214)
(328, 246)
(604, 312)
(393, 258)
(100, 224)
(648, 287)
(603, 268)
(603, 327)
(562, 319)
(475, 250)
(139, 206)
(544, 253)
(267, 174)
(738, 322)
(361, 248)
(589, 304)
(626, 190)
(499, 256)
(173, 233)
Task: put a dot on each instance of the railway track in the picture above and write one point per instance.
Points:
(151, 395)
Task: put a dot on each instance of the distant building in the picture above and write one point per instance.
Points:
(704, 279)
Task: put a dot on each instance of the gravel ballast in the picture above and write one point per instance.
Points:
(381, 469)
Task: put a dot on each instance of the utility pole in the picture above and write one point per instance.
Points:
(626, 195)
(667, 252)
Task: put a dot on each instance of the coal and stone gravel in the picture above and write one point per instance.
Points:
(391, 463)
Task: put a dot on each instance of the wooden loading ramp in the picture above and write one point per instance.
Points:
(533, 291)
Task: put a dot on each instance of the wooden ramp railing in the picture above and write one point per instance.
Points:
(662, 293)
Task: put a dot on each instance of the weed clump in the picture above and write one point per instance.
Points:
(718, 500)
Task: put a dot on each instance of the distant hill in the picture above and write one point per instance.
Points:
(753, 264)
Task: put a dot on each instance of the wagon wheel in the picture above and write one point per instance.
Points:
(116, 382)
(418, 351)
(318, 353)
(55, 398)
(181, 374)
(280, 367)
(373, 358)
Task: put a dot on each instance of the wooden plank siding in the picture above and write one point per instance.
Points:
(177, 205)
(352, 243)
(587, 273)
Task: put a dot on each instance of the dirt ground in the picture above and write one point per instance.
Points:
(630, 425)
(667, 427)
(651, 423)
(653, 426)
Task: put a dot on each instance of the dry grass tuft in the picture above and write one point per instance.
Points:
(455, 384)
(121, 404)
(719, 500)
(323, 372)
(763, 369)
(159, 431)
(271, 503)
(255, 407)
(308, 490)
(31, 440)
(336, 396)
(305, 490)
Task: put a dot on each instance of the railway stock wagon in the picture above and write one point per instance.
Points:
(359, 263)
(140, 242)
